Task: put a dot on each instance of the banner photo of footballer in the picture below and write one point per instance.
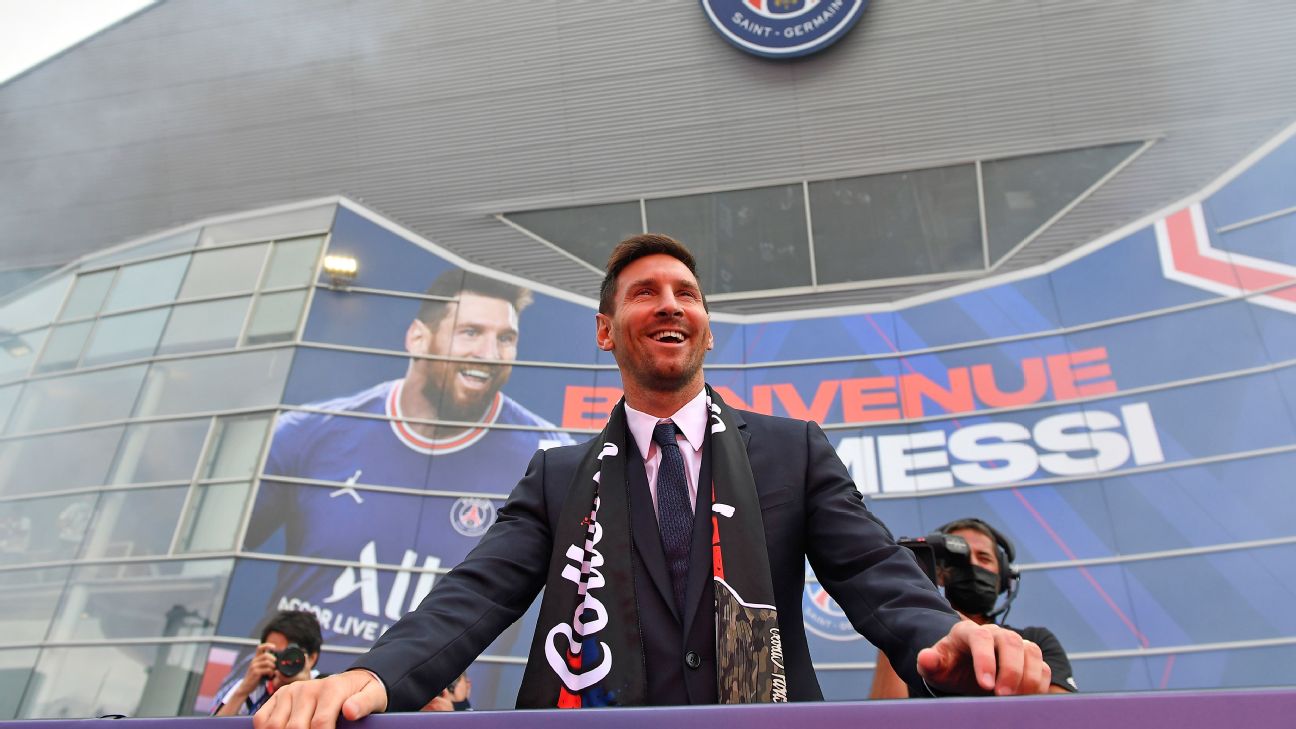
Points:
(405, 441)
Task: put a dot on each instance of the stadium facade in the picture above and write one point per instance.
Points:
(1033, 262)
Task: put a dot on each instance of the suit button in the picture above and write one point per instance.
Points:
(692, 659)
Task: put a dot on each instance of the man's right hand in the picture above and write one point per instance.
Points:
(262, 667)
(317, 704)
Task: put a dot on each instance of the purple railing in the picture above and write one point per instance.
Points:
(1223, 709)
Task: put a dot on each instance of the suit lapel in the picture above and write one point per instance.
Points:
(646, 533)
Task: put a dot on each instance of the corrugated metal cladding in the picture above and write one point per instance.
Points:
(439, 114)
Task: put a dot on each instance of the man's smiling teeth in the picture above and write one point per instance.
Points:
(671, 335)
(476, 374)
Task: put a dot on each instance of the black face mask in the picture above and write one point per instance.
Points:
(970, 589)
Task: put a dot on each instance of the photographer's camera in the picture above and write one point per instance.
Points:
(290, 661)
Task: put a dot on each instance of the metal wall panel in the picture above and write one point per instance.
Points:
(440, 114)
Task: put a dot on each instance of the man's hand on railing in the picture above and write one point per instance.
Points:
(981, 659)
(317, 704)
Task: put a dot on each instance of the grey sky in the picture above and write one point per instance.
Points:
(33, 30)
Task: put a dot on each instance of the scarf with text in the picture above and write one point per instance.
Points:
(588, 629)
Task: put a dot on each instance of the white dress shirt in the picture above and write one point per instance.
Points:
(690, 422)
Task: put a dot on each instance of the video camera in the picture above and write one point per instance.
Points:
(935, 549)
(290, 661)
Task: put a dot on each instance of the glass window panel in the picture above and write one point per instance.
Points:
(292, 262)
(134, 523)
(63, 347)
(166, 451)
(16, 279)
(84, 398)
(35, 307)
(1236, 668)
(845, 685)
(177, 242)
(215, 383)
(43, 530)
(88, 294)
(744, 240)
(1234, 595)
(128, 336)
(141, 600)
(8, 396)
(279, 225)
(223, 271)
(275, 317)
(132, 680)
(16, 667)
(33, 465)
(147, 284)
(894, 225)
(1022, 193)
(18, 351)
(209, 325)
(27, 602)
(215, 514)
(236, 446)
(588, 232)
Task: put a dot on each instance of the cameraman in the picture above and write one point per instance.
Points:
(290, 646)
(974, 574)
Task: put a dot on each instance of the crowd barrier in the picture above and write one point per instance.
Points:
(1229, 709)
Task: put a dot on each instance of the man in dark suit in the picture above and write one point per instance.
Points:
(646, 593)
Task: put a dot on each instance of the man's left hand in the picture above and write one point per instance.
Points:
(982, 659)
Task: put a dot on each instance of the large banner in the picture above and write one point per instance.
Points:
(1110, 414)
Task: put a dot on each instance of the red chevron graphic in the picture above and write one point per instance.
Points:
(1188, 257)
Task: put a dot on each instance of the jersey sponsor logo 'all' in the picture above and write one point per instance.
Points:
(783, 28)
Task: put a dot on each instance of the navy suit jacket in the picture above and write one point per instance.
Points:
(810, 508)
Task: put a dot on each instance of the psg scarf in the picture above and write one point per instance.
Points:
(588, 632)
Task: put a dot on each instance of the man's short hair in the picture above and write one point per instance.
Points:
(453, 282)
(298, 626)
(632, 249)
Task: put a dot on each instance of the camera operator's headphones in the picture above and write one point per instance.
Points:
(1009, 575)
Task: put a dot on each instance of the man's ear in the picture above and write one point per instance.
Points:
(603, 331)
(311, 660)
(417, 337)
(710, 340)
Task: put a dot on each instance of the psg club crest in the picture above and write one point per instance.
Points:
(472, 517)
(783, 28)
(823, 616)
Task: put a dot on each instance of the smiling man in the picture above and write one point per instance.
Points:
(445, 426)
(480, 329)
(672, 551)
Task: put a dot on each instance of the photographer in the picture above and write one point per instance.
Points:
(453, 698)
(290, 646)
(973, 562)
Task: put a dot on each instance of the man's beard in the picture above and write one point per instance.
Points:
(472, 406)
(659, 379)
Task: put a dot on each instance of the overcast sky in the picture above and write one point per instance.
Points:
(33, 30)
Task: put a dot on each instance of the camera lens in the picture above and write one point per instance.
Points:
(291, 660)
